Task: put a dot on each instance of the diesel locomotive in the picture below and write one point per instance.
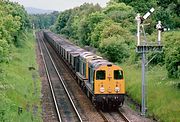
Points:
(102, 81)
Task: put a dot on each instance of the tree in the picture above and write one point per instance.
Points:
(114, 48)
(172, 53)
(121, 13)
(75, 22)
(62, 20)
(43, 21)
(87, 25)
(13, 23)
(109, 28)
(140, 6)
(96, 34)
(4, 50)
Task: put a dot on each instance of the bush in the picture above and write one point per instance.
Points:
(114, 48)
(4, 50)
(96, 35)
(173, 64)
(172, 53)
(13, 23)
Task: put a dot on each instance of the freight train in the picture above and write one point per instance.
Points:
(102, 81)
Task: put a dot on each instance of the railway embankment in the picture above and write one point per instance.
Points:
(20, 84)
(162, 96)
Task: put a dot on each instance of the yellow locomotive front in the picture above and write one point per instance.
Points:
(109, 85)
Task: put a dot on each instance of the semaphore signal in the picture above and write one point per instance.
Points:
(144, 47)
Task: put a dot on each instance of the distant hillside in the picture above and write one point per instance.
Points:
(32, 10)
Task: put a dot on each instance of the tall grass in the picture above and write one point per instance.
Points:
(17, 85)
(163, 97)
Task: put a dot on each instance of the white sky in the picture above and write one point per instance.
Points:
(58, 5)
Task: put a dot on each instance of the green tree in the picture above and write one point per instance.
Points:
(114, 48)
(87, 25)
(140, 6)
(172, 53)
(4, 50)
(96, 34)
(75, 23)
(62, 20)
(13, 23)
(43, 21)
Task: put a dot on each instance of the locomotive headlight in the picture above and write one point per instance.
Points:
(102, 89)
(117, 89)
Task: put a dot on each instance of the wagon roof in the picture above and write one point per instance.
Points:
(85, 54)
(96, 63)
(77, 51)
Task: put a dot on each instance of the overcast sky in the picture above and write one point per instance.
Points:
(58, 5)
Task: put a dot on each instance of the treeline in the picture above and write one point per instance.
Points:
(165, 10)
(14, 22)
(108, 29)
(43, 21)
(112, 29)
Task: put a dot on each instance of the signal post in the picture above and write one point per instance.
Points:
(143, 47)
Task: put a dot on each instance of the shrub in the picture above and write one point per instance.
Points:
(114, 48)
(172, 53)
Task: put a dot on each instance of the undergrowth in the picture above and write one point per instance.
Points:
(163, 96)
(20, 86)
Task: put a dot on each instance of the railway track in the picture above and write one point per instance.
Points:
(65, 107)
(115, 116)
(124, 116)
(108, 116)
(67, 75)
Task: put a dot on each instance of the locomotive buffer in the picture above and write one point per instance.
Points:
(143, 47)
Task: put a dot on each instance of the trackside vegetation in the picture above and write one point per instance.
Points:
(162, 95)
(19, 81)
(13, 23)
(20, 85)
(111, 30)
(92, 25)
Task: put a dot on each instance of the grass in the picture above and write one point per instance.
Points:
(163, 97)
(17, 86)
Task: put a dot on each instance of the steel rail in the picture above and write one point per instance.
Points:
(79, 117)
(99, 111)
(49, 80)
(123, 116)
(103, 116)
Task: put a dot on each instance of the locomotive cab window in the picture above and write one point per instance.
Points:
(118, 74)
(100, 75)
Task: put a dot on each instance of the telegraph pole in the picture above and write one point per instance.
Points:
(144, 47)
